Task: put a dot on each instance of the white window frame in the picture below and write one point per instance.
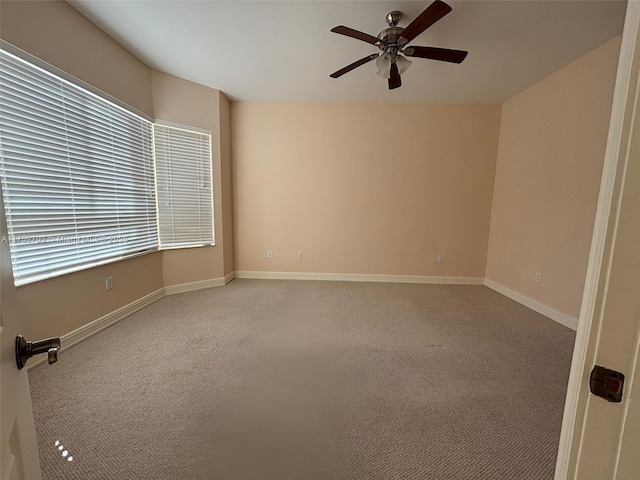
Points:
(75, 164)
(48, 243)
(77, 83)
(167, 235)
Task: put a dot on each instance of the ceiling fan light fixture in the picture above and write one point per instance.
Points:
(383, 62)
(402, 63)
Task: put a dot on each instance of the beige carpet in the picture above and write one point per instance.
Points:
(305, 380)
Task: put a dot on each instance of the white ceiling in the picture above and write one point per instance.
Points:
(284, 50)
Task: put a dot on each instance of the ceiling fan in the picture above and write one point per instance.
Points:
(393, 43)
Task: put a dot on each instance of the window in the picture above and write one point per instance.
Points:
(77, 174)
(184, 186)
(87, 181)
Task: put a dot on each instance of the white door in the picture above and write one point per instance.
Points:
(600, 439)
(18, 449)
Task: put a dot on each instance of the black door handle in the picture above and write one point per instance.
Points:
(26, 350)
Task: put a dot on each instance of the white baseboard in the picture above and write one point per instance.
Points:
(562, 318)
(192, 286)
(359, 277)
(91, 328)
(84, 332)
(79, 334)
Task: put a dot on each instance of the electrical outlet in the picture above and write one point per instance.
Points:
(440, 258)
(538, 277)
(269, 253)
(300, 254)
(108, 283)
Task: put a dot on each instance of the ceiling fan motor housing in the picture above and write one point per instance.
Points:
(390, 40)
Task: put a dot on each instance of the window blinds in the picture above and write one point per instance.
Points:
(184, 186)
(77, 174)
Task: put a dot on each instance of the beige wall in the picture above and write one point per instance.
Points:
(56, 33)
(360, 188)
(550, 156)
(59, 35)
(363, 188)
(60, 305)
(187, 103)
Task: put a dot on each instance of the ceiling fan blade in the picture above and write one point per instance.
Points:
(348, 68)
(394, 80)
(350, 32)
(431, 15)
(433, 53)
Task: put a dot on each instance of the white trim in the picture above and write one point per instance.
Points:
(359, 277)
(192, 286)
(182, 126)
(79, 334)
(84, 332)
(562, 318)
(621, 126)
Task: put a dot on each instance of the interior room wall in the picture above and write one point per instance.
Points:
(360, 188)
(56, 33)
(550, 156)
(54, 307)
(187, 103)
(363, 188)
